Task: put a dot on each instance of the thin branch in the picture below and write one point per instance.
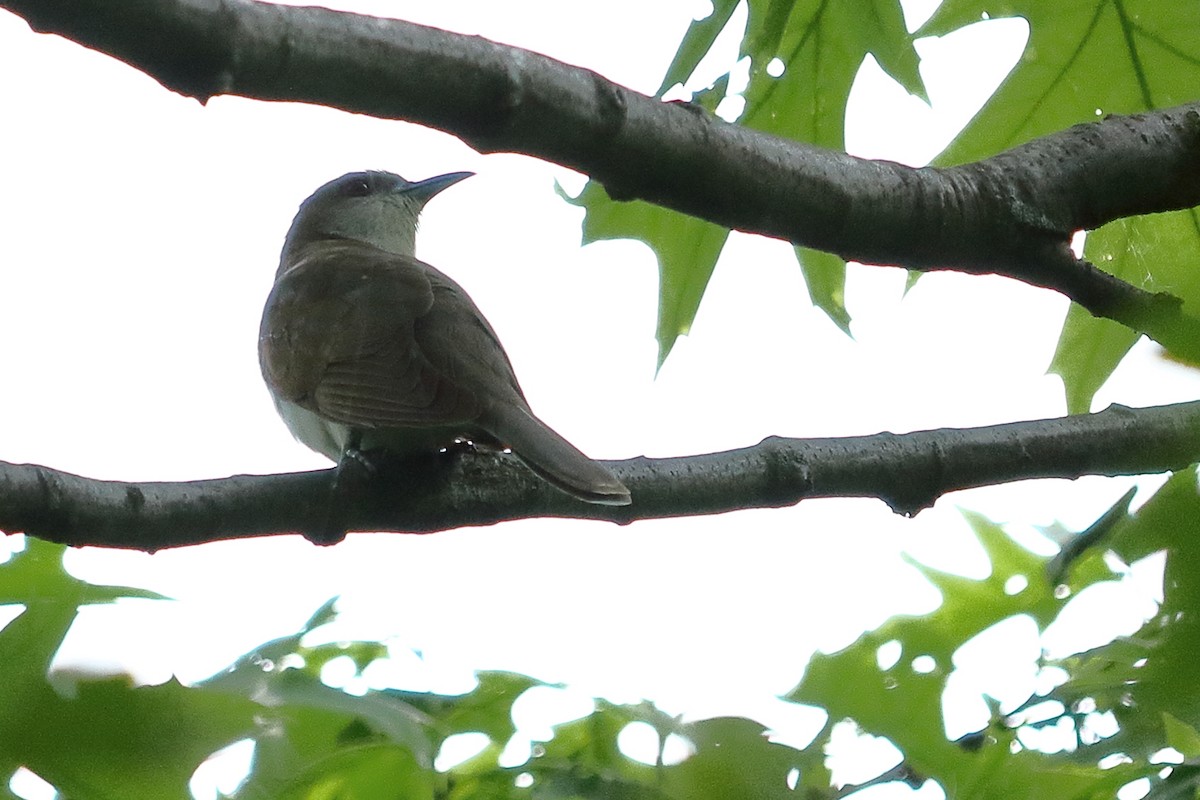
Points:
(1012, 214)
(907, 471)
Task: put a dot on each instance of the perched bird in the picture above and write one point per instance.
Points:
(363, 346)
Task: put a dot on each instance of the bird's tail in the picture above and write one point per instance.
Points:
(555, 459)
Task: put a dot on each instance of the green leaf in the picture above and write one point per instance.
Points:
(327, 714)
(1074, 547)
(1149, 56)
(826, 42)
(686, 247)
(486, 709)
(1182, 784)
(1153, 673)
(324, 615)
(822, 49)
(1157, 253)
(825, 276)
(246, 674)
(84, 745)
(1181, 736)
(822, 46)
(310, 752)
(116, 741)
(1089, 349)
(1081, 58)
(1165, 522)
(903, 703)
(317, 741)
(733, 759)
(35, 576)
(371, 772)
(698, 40)
(590, 743)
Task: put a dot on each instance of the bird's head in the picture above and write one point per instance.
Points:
(379, 208)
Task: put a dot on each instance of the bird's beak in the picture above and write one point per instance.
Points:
(426, 189)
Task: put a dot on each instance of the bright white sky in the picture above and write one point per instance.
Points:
(141, 235)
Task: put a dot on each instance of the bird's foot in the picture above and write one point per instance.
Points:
(354, 472)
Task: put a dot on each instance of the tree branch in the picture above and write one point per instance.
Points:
(1012, 214)
(449, 490)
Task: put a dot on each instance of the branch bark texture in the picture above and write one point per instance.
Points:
(1013, 214)
(907, 471)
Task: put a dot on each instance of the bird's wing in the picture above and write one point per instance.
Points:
(377, 340)
(371, 339)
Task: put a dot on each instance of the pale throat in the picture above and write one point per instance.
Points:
(393, 228)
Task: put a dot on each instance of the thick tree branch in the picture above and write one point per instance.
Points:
(907, 471)
(1012, 214)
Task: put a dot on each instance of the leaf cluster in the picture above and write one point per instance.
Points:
(803, 59)
(106, 737)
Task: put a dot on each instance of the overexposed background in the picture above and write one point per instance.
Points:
(142, 232)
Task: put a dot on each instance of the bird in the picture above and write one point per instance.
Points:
(364, 347)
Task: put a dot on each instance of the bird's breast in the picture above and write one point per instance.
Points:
(322, 435)
(330, 438)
